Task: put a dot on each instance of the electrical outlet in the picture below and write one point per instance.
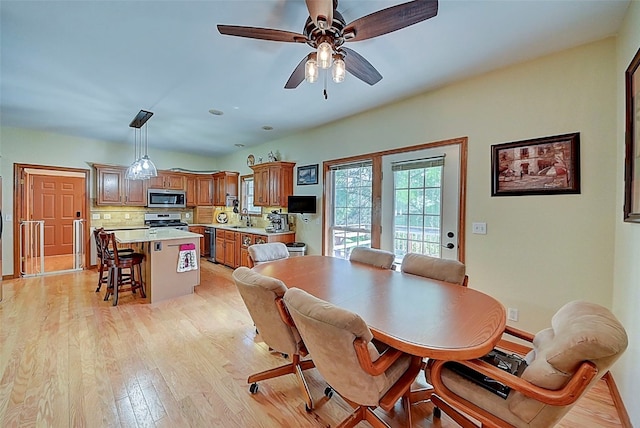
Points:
(127, 216)
(187, 215)
(95, 216)
(107, 216)
(480, 228)
(512, 314)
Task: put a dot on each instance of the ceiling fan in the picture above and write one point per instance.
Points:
(326, 32)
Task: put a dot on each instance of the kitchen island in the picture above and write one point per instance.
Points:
(162, 247)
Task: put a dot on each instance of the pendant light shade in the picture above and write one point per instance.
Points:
(324, 55)
(338, 70)
(143, 167)
(311, 70)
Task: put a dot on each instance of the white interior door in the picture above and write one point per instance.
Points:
(421, 202)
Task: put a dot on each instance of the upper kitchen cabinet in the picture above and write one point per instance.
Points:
(273, 183)
(190, 186)
(167, 180)
(225, 183)
(204, 190)
(113, 188)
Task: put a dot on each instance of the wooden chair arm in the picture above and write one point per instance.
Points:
(520, 334)
(379, 366)
(561, 397)
(284, 312)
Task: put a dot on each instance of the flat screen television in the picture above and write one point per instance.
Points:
(301, 204)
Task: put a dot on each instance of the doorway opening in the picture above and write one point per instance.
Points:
(51, 228)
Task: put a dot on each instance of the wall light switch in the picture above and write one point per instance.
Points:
(95, 216)
(480, 228)
(107, 216)
(8, 217)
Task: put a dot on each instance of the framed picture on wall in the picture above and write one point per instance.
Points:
(540, 166)
(632, 142)
(307, 175)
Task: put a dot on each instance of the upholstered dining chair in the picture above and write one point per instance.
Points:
(583, 342)
(435, 268)
(261, 253)
(372, 256)
(262, 295)
(103, 268)
(340, 343)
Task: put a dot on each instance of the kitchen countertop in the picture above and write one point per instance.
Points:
(146, 235)
(243, 229)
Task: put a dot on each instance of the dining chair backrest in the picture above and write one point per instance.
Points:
(436, 268)
(261, 253)
(96, 237)
(329, 333)
(260, 294)
(372, 256)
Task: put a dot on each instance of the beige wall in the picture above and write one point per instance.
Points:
(41, 148)
(626, 291)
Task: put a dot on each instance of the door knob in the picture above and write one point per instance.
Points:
(449, 246)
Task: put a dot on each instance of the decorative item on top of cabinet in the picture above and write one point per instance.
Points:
(112, 187)
(225, 183)
(167, 180)
(273, 183)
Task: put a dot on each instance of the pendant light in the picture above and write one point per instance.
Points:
(142, 168)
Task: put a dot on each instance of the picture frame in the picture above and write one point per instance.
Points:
(539, 166)
(307, 174)
(632, 142)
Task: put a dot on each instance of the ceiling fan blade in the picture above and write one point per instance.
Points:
(262, 33)
(360, 67)
(391, 19)
(297, 76)
(321, 10)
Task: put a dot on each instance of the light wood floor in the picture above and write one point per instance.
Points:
(69, 359)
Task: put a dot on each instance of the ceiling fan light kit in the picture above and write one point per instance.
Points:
(326, 31)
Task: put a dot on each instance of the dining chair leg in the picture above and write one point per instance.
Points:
(116, 285)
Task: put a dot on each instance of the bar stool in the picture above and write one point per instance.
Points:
(103, 268)
(116, 263)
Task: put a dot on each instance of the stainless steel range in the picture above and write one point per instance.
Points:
(165, 220)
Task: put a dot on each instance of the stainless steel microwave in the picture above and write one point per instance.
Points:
(166, 198)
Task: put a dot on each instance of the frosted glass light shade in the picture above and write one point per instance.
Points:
(338, 71)
(311, 71)
(324, 55)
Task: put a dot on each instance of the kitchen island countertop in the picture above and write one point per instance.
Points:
(150, 235)
(243, 229)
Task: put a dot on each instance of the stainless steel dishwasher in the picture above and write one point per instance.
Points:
(210, 242)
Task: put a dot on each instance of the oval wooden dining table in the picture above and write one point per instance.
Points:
(414, 314)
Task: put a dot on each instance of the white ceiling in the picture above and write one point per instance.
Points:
(86, 68)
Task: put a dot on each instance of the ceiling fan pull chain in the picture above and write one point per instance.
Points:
(325, 86)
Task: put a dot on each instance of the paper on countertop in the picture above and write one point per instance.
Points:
(187, 258)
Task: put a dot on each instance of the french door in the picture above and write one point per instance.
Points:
(416, 207)
(420, 202)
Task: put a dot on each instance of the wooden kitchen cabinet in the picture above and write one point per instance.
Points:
(204, 190)
(113, 188)
(167, 180)
(225, 183)
(190, 186)
(273, 183)
(226, 248)
(204, 252)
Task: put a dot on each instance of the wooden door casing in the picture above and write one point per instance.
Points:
(58, 200)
